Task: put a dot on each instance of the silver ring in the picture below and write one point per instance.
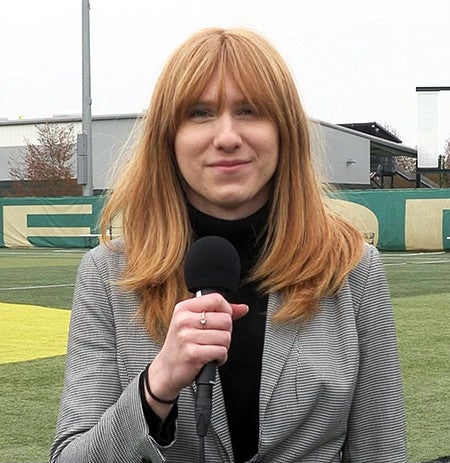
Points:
(203, 319)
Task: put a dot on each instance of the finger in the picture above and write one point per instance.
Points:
(212, 321)
(211, 338)
(213, 302)
(239, 310)
(202, 355)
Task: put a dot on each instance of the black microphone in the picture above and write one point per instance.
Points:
(212, 265)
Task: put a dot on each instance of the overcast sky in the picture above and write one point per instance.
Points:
(353, 60)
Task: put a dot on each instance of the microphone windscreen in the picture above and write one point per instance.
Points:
(212, 262)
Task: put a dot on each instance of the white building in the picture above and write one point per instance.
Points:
(349, 157)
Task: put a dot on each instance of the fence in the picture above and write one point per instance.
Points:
(393, 220)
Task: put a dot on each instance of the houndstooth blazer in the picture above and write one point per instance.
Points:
(330, 388)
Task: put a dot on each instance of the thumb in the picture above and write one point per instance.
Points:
(239, 310)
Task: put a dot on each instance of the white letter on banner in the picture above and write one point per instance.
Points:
(424, 222)
(16, 230)
(360, 216)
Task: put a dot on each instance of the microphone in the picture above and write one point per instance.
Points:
(212, 265)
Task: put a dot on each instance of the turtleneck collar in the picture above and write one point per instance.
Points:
(245, 234)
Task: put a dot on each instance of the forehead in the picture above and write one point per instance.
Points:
(222, 88)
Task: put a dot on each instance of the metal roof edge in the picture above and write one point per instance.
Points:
(376, 140)
(69, 118)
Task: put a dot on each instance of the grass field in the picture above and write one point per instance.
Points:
(31, 376)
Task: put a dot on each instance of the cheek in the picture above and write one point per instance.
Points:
(179, 144)
(269, 139)
(188, 144)
(183, 150)
(270, 168)
(271, 147)
(271, 160)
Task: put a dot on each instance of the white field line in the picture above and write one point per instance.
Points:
(412, 254)
(62, 254)
(416, 263)
(18, 288)
(434, 262)
(415, 258)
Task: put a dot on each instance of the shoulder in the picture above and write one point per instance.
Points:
(367, 281)
(105, 259)
(370, 261)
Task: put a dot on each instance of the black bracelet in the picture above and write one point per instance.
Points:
(153, 396)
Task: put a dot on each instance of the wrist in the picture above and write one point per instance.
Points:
(158, 394)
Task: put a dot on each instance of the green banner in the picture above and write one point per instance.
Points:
(401, 219)
(49, 222)
(393, 220)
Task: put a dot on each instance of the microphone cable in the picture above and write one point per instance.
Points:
(201, 449)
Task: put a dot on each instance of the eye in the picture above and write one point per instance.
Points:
(200, 113)
(248, 111)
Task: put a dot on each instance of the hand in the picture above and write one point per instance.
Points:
(190, 344)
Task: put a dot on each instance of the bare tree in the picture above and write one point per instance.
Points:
(404, 162)
(444, 179)
(447, 153)
(407, 163)
(391, 129)
(46, 168)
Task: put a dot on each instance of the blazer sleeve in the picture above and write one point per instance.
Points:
(100, 419)
(376, 426)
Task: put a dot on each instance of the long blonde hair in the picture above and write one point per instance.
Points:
(308, 251)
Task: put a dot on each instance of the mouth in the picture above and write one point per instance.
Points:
(229, 165)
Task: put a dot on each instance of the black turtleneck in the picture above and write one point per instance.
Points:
(241, 375)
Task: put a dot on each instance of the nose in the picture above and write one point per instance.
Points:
(227, 136)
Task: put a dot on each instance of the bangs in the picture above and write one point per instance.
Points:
(256, 74)
(256, 90)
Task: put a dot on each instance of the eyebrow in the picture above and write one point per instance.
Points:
(212, 102)
(204, 101)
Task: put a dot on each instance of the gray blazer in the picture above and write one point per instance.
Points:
(330, 388)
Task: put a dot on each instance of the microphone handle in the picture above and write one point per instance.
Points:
(205, 382)
(203, 406)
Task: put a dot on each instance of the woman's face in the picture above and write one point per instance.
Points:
(227, 157)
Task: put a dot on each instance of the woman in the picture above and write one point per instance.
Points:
(308, 366)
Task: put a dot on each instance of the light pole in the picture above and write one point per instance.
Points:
(84, 145)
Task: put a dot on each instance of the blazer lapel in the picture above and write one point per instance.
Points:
(278, 342)
(219, 421)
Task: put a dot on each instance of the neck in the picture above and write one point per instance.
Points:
(247, 235)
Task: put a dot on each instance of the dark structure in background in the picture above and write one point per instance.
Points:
(387, 172)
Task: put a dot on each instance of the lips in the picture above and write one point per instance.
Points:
(229, 163)
(229, 166)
